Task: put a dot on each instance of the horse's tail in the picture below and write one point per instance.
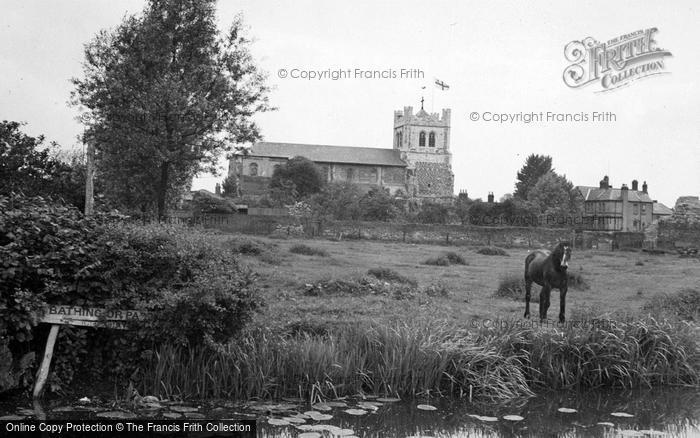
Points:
(528, 260)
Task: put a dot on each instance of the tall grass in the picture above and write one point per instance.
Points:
(418, 358)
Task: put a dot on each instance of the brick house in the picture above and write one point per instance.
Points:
(606, 208)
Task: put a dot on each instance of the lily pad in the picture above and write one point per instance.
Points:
(116, 414)
(426, 408)
(368, 405)
(277, 422)
(194, 415)
(567, 410)
(183, 409)
(317, 416)
(150, 399)
(630, 432)
(12, 417)
(388, 400)
(355, 411)
(345, 432)
(337, 404)
(322, 407)
(653, 432)
(295, 420)
(172, 415)
(513, 418)
(606, 424)
(483, 417)
(84, 400)
(63, 409)
(309, 435)
(622, 414)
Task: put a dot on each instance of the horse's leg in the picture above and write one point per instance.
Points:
(544, 301)
(528, 288)
(562, 303)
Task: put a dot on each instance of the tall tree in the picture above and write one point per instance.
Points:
(554, 195)
(535, 167)
(165, 95)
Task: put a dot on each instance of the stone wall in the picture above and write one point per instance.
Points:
(434, 179)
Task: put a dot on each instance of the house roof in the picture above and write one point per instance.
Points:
(660, 208)
(611, 194)
(329, 154)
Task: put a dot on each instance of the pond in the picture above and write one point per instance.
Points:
(667, 412)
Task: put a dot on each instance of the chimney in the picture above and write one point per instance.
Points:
(635, 185)
(490, 197)
(605, 183)
(644, 187)
(624, 194)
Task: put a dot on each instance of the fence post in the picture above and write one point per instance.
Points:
(447, 238)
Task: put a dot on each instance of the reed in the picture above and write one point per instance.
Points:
(427, 357)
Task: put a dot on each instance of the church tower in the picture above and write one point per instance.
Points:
(424, 142)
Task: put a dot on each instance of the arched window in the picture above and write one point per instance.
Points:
(421, 139)
(431, 140)
(398, 139)
(253, 169)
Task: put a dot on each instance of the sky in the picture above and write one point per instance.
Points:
(498, 57)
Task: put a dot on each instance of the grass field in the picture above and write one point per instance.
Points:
(344, 318)
(618, 282)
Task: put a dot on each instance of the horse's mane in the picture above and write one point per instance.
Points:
(558, 254)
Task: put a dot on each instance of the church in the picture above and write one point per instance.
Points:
(419, 164)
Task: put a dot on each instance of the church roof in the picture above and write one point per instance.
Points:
(329, 154)
(611, 194)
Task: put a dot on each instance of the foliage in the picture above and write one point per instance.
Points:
(554, 196)
(205, 202)
(307, 250)
(300, 171)
(165, 94)
(446, 259)
(433, 213)
(30, 167)
(229, 187)
(378, 205)
(338, 200)
(534, 168)
(387, 274)
(492, 251)
(52, 254)
(684, 305)
(506, 360)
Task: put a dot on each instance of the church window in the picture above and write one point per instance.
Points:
(398, 139)
(253, 169)
(421, 139)
(431, 140)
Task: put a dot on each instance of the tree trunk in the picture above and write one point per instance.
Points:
(163, 189)
(89, 178)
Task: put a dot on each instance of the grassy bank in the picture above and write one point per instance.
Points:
(433, 358)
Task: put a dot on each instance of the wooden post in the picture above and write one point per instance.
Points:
(45, 362)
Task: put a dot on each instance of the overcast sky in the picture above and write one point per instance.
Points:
(500, 57)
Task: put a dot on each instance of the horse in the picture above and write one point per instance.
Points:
(549, 270)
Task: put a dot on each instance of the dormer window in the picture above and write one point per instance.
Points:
(431, 140)
(421, 139)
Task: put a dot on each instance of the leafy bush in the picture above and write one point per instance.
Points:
(446, 259)
(492, 251)
(438, 289)
(307, 250)
(390, 275)
(52, 254)
(455, 258)
(437, 261)
(362, 286)
(513, 286)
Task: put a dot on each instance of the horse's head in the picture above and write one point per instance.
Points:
(562, 255)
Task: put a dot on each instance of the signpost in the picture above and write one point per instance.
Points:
(58, 315)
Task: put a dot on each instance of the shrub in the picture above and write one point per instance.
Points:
(52, 254)
(390, 275)
(455, 258)
(362, 286)
(513, 286)
(437, 289)
(437, 261)
(684, 304)
(446, 259)
(492, 251)
(307, 250)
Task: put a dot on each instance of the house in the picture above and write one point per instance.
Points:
(606, 208)
(660, 211)
(419, 164)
